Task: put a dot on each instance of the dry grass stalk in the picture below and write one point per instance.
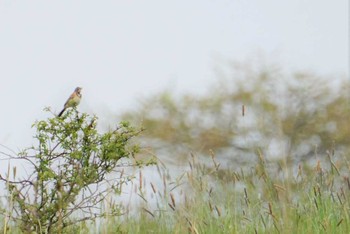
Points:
(153, 188)
(270, 211)
(192, 228)
(279, 187)
(216, 165)
(210, 206)
(172, 200)
(171, 206)
(339, 222)
(218, 211)
(164, 184)
(140, 178)
(149, 212)
(318, 167)
(246, 199)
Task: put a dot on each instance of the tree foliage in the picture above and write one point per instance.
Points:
(292, 116)
(71, 164)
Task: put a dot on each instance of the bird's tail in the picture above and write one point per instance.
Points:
(59, 115)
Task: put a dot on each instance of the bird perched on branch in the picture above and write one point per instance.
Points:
(73, 100)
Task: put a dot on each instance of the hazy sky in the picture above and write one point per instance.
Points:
(120, 51)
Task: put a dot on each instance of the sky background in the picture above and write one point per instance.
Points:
(122, 51)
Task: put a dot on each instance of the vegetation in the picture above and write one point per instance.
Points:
(260, 152)
(290, 117)
(282, 142)
(69, 180)
(254, 200)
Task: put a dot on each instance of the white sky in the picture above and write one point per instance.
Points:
(120, 51)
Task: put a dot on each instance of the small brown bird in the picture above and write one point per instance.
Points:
(73, 100)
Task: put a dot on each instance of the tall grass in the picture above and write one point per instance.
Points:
(265, 198)
(207, 197)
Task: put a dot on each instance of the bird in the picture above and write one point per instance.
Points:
(73, 100)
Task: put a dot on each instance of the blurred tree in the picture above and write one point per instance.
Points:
(285, 116)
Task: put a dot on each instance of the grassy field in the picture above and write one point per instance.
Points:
(267, 197)
(264, 198)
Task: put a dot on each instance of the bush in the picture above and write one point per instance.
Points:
(69, 178)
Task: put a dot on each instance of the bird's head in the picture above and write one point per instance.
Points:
(78, 90)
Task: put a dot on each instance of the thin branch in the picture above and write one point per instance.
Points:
(16, 182)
